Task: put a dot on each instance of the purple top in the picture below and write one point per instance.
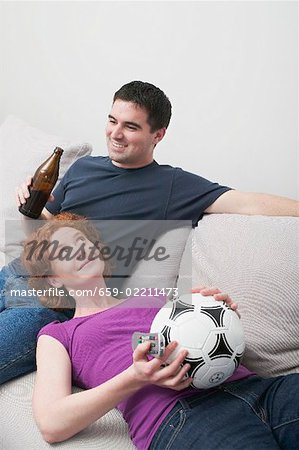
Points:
(99, 347)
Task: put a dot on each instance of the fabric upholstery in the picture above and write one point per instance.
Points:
(22, 149)
(256, 260)
(19, 432)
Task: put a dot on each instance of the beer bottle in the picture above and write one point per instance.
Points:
(42, 184)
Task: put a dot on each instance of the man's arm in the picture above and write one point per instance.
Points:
(46, 215)
(252, 203)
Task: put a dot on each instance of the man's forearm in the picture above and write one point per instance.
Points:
(252, 203)
(271, 205)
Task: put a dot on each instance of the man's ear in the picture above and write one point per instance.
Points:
(54, 281)
(159, 135)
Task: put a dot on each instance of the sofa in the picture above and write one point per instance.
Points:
(253, 258)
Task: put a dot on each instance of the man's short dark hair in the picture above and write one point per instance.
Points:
(149, 97)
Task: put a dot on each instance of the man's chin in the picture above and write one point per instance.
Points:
(117, 155)
(118, 158)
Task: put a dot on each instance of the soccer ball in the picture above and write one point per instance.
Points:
(211, 332)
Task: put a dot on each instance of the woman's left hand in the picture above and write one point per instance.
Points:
(218, 295)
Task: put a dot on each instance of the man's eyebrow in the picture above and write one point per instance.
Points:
(134, 124)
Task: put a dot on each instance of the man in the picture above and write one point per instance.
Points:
(127, 185)
(137, 122)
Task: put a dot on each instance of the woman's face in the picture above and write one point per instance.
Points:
(75, 260)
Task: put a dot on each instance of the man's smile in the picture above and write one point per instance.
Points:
(117, 144)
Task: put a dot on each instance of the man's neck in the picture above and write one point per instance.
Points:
(131, 166)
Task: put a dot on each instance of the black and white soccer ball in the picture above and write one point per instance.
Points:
(211, 332)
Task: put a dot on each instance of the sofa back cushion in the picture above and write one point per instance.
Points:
(162, 274)
(22, 149)
(256, 260)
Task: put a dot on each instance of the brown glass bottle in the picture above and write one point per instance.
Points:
(42, 185)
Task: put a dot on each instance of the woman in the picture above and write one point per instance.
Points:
(93, 351)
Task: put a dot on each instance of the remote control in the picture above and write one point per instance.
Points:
(156, 339)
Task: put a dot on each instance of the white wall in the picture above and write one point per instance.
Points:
(229, 68)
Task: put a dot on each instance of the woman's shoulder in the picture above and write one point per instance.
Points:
(57, 330)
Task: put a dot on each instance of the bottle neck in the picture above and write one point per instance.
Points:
(58, 151)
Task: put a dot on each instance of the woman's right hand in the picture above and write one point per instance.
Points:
(154, 371)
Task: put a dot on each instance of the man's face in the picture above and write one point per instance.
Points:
(130, 141)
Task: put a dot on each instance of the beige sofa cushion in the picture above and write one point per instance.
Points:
(22, 149)
(256, 260)
(163, 274)
(19, 432)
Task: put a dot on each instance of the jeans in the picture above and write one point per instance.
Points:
(249, 414)
(21, 318)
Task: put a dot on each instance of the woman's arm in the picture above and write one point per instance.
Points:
(60, 414)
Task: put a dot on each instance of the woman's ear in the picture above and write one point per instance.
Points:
(54, 281)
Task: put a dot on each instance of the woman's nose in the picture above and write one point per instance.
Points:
(80, 252)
